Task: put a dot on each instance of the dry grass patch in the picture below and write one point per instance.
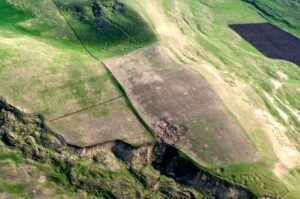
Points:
(111, 121)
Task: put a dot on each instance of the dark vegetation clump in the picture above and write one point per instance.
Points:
(107, 25)
(114, 4)
(96, 10)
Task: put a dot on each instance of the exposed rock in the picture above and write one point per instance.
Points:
(90, 151)
(142, 155)
(168, 133)
(9, 138)
(118, 6)
(114, 4)
(166, 159)
(170, 163)
(29, 134)
(96, 9)
(42, 179)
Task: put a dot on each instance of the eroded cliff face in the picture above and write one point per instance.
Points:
(29, 134)
(167, 160)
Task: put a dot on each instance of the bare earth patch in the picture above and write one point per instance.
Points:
(176, 99)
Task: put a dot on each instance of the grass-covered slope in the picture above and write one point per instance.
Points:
(106, 27)
(25, 17)
(261, 93)
(283, 13)
(44, 69)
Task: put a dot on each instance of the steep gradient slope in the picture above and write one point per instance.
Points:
(106, 28)
(283, 13)
(181, 107)
(58, 78)
(225, 107)
(261, 93)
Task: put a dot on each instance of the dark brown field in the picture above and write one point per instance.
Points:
(180, 106)
(271, 41)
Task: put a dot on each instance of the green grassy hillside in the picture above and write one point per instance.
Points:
(51, 56)
(261, 93)
(106, 27)
(283, 13)
(57, 77)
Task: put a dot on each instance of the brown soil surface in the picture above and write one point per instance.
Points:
(180, 106)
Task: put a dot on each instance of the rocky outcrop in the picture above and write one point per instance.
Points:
(90, 151)
(168, 161)
(97, 11)
(167, 132)
(30, 134)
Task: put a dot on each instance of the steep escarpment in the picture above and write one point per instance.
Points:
(102, 176)
(167, 160)
(158, 167)
(30, 134)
